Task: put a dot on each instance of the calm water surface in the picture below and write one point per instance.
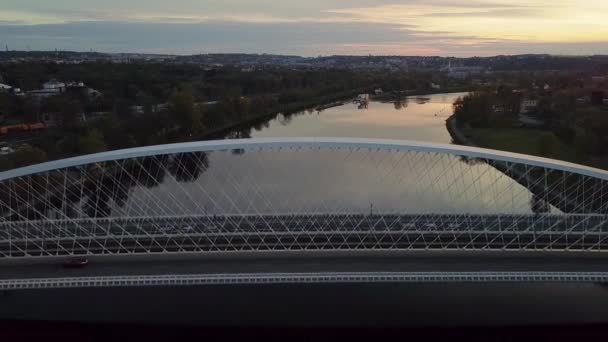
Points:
(416, 118)
(342, 181)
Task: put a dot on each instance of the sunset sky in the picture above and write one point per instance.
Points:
(309, 27)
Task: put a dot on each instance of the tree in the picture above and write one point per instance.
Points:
(184, 111)
(474, 109)
(5, 106)
(547, 145)
(122, 108)
(116, 137)
(71, 114)
(28, 155)
(31, 110)
(92, 142)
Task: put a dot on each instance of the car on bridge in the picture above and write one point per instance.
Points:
(78, 262)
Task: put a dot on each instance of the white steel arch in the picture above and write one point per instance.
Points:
(267, 143)
(293, 194)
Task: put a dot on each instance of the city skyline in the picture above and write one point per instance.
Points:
(415, 27)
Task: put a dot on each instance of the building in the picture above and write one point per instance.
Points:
(50, 88)
(462, 72)
(54, 84)
(44, 92)
(140, 110)
(362, 98)
(54, 88)
(528, 106)
(80, 89)
(496, 109)
(5, 149)
(583, 100)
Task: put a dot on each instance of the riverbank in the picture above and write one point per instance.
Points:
(529, 141)
(392, 97)
(523, 176)
(458, 136)
(217, 132)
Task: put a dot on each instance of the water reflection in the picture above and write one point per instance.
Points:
(401, 103)
(404, 119)
(287, 181)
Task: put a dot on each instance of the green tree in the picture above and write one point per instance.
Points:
(31, 110)
(547, 144)
(184, 111)
(71, 114)
(5, 106)
(28, 155)
(474, 108)
(122, 108)
(92, 142)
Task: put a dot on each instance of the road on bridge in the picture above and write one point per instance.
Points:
(309, 263)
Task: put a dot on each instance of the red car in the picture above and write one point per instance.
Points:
(76, 263)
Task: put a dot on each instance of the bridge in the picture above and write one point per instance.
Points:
(371, 210)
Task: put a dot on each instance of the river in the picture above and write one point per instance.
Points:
(344, 181)
(417, 118)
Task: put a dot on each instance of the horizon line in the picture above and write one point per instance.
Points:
(287, 55)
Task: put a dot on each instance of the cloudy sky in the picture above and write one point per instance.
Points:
(309, 27)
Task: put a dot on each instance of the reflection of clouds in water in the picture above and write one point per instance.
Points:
(413, 115)
(340, 181)
(381, 120)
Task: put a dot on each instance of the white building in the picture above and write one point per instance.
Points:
(44, 92)
(50, 88)
(5, 87)
(363, 97)
(462, 72)
(6, 150)
(54, 85)
(528, 106)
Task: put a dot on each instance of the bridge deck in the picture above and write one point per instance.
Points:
(414, 262)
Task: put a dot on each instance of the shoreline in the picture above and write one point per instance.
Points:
(214, 133)
(521, 177)
(287, 109)
(456, 134)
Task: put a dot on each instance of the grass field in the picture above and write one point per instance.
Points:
(526, 141)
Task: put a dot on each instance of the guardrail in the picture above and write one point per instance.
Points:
(302, 278)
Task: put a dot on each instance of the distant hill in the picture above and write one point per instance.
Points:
(598, 63)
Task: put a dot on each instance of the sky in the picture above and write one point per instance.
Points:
(309, 27)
